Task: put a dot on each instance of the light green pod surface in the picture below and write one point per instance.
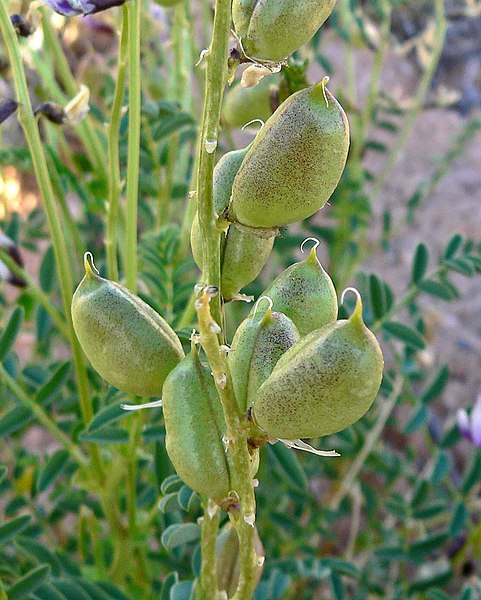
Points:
(243, 255)
(274, 29)
(295, 162)
(323, 384)
(128, 343)
(194, 424)
(305, 293)
(258, 344)
(243, 105)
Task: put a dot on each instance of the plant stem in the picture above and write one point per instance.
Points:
(132, 189)
(43, 417)
(90, 138)
(438, 36)
(243, 513)
(115, 185)
(210, 526)
(215, 78)
(30, 128)
(371, 440)
(36, 292)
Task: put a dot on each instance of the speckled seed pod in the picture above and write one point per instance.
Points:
(273, 29)
(244, 104)
(194, 424)
(305, 293)
(294, 163)
(258, 344)
(243, 255)
(127, 342)
(323, 384)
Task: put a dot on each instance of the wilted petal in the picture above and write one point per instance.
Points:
(476, 422)
(7, 108)
(71, 8)
(463, 424)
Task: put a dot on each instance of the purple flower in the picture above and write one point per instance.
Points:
(470, 426)
(71, 8)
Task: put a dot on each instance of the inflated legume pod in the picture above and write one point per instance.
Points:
(244, 104)
(323, 384)
(259, 342)
(243, 254)
(305, 293)
(273, 29)
(194, 424)
(127, 342)
(294, 163)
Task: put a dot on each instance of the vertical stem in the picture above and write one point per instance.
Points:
(215, 77)
(243, 514)
(133, 144)
(115, 185)
(89, 135)
(210, 526)
(423, 87)
(32, 135)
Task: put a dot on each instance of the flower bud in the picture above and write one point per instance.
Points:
(195, 427)
(273, 29)
(305, 293)
(323, 384)
(258, 344)
(294, 163)
(127, 342)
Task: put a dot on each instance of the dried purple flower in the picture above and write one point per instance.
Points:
(22, 26)
(7, 108)
(470, 426)
(72, 8)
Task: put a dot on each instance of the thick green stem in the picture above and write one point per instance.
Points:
(115, 185)
(243, 513)
(215, 78)
(132, 189)
(210, 526)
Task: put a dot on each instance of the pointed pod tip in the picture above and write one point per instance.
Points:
(357, 313)
(268, 314)
(90, 268)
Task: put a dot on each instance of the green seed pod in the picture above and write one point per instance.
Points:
(243, 254)
(324, 383)
(273, 29)
(228, 559)
(127, 342)
(258, 344)
(305, 293)
(294, 163)
(245, 104)
(194, 424)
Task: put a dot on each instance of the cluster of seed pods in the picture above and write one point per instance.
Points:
(296, 371)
